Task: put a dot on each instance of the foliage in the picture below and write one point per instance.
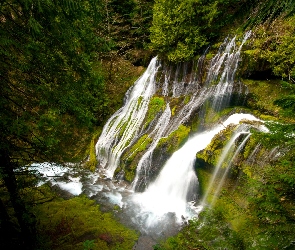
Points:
(272, 48)
(49, 91)
(182, 29)
(48, 83)
(130, 20)
(209, 231)
(214, 149)
(78, 223)
(269, 10)
(262, 97)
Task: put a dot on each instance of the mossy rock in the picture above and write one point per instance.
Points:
(156, 105)
(175, 140)
(131, 156)
(211, 153)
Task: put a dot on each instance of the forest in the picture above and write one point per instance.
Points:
(65, 68)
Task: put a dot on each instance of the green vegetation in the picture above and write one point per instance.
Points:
(210, 231)
(92, 162)
(130, 157)
(156, 105)
(214, 149)
(65, 67)
(183, 29)
(78, 223)
(175, 140)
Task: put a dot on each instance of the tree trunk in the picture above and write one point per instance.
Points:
(26, 220)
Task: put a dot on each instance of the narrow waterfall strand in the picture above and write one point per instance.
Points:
(228, 167)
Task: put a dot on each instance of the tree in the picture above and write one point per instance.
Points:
(47, 85)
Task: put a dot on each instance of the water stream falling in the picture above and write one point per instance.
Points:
(123, 127)
(170, 191)
(173, 189)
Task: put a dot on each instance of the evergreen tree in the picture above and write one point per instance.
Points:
(47, 85)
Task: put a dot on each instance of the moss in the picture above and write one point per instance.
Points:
(156, 105)
(176, 102)
(263, 94)
(204, 175)
(173, 110)
(130, 173)
(131, 156)
(68, 224)
(209, 56)
(139, 101)
(139, 146)
(92, 162)
(119, 75)
(249, 147)
(175, 140)
(211, 153)
(187, 99)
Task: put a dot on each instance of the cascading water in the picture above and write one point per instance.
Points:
(224, 175)
(122, 128)
(170, 188)
(168, 193)
(145, 161)
(227, 157)
(173, 189)
(228, 60)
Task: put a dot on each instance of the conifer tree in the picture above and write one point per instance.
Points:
(47, 85)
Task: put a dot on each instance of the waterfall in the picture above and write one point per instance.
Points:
(169, 192)
(172, 186)
(123, 127)
(227, 157)
(228, 60)
(144, 163)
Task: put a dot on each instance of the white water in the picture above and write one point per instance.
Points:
(55, 174)
(168, 193)
(123, 127)
(144, 163)
(228, 62)
(222, 180)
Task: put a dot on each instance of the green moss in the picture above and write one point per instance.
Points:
(156, 105)
(209, 56)
(249, 147)
(175, 140)
(173, 110)
(68, 224)
(139, 101)
(92, 162)
(186, 99)
(203, 178)
(263, 94)
(212, 152)
(131, 156)
(130, 173)
(139, 146)
(122, 125)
